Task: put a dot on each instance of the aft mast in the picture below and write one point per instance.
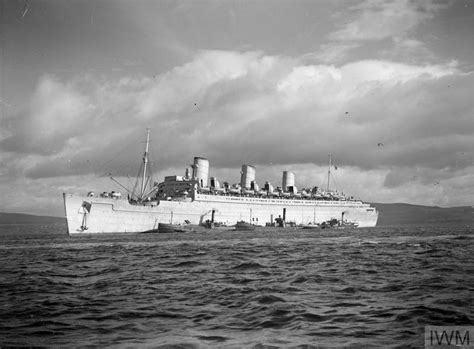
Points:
(329, 171)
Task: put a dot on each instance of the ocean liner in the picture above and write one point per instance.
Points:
(196, 198)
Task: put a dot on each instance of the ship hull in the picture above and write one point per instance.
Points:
(107, 215)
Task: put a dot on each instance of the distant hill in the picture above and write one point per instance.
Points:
(394, 214)
(20, 218)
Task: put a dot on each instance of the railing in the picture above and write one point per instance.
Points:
(279, 200)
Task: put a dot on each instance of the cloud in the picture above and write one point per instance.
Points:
(382, 29)
(331, 53)
(53, 112)
(407, 43)
(377, 20)
(236, 108)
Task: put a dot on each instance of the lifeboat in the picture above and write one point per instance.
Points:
(234, 191)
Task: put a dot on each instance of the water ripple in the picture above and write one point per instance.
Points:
(366, 288)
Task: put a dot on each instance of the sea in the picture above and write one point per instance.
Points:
(281, 288)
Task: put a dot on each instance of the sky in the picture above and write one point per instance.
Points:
(384, 87)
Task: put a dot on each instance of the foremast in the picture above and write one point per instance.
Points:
(141, 194)
(145, 163)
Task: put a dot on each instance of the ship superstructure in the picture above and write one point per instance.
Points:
(196, 198)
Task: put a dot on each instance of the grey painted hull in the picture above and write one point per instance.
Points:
(106, 215)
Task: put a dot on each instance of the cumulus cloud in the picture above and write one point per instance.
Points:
(235, 108)
(384, 28)
(377, 19)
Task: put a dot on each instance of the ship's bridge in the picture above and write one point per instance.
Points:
(175, 186)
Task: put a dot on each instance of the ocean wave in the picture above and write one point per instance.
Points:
(367, 288)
